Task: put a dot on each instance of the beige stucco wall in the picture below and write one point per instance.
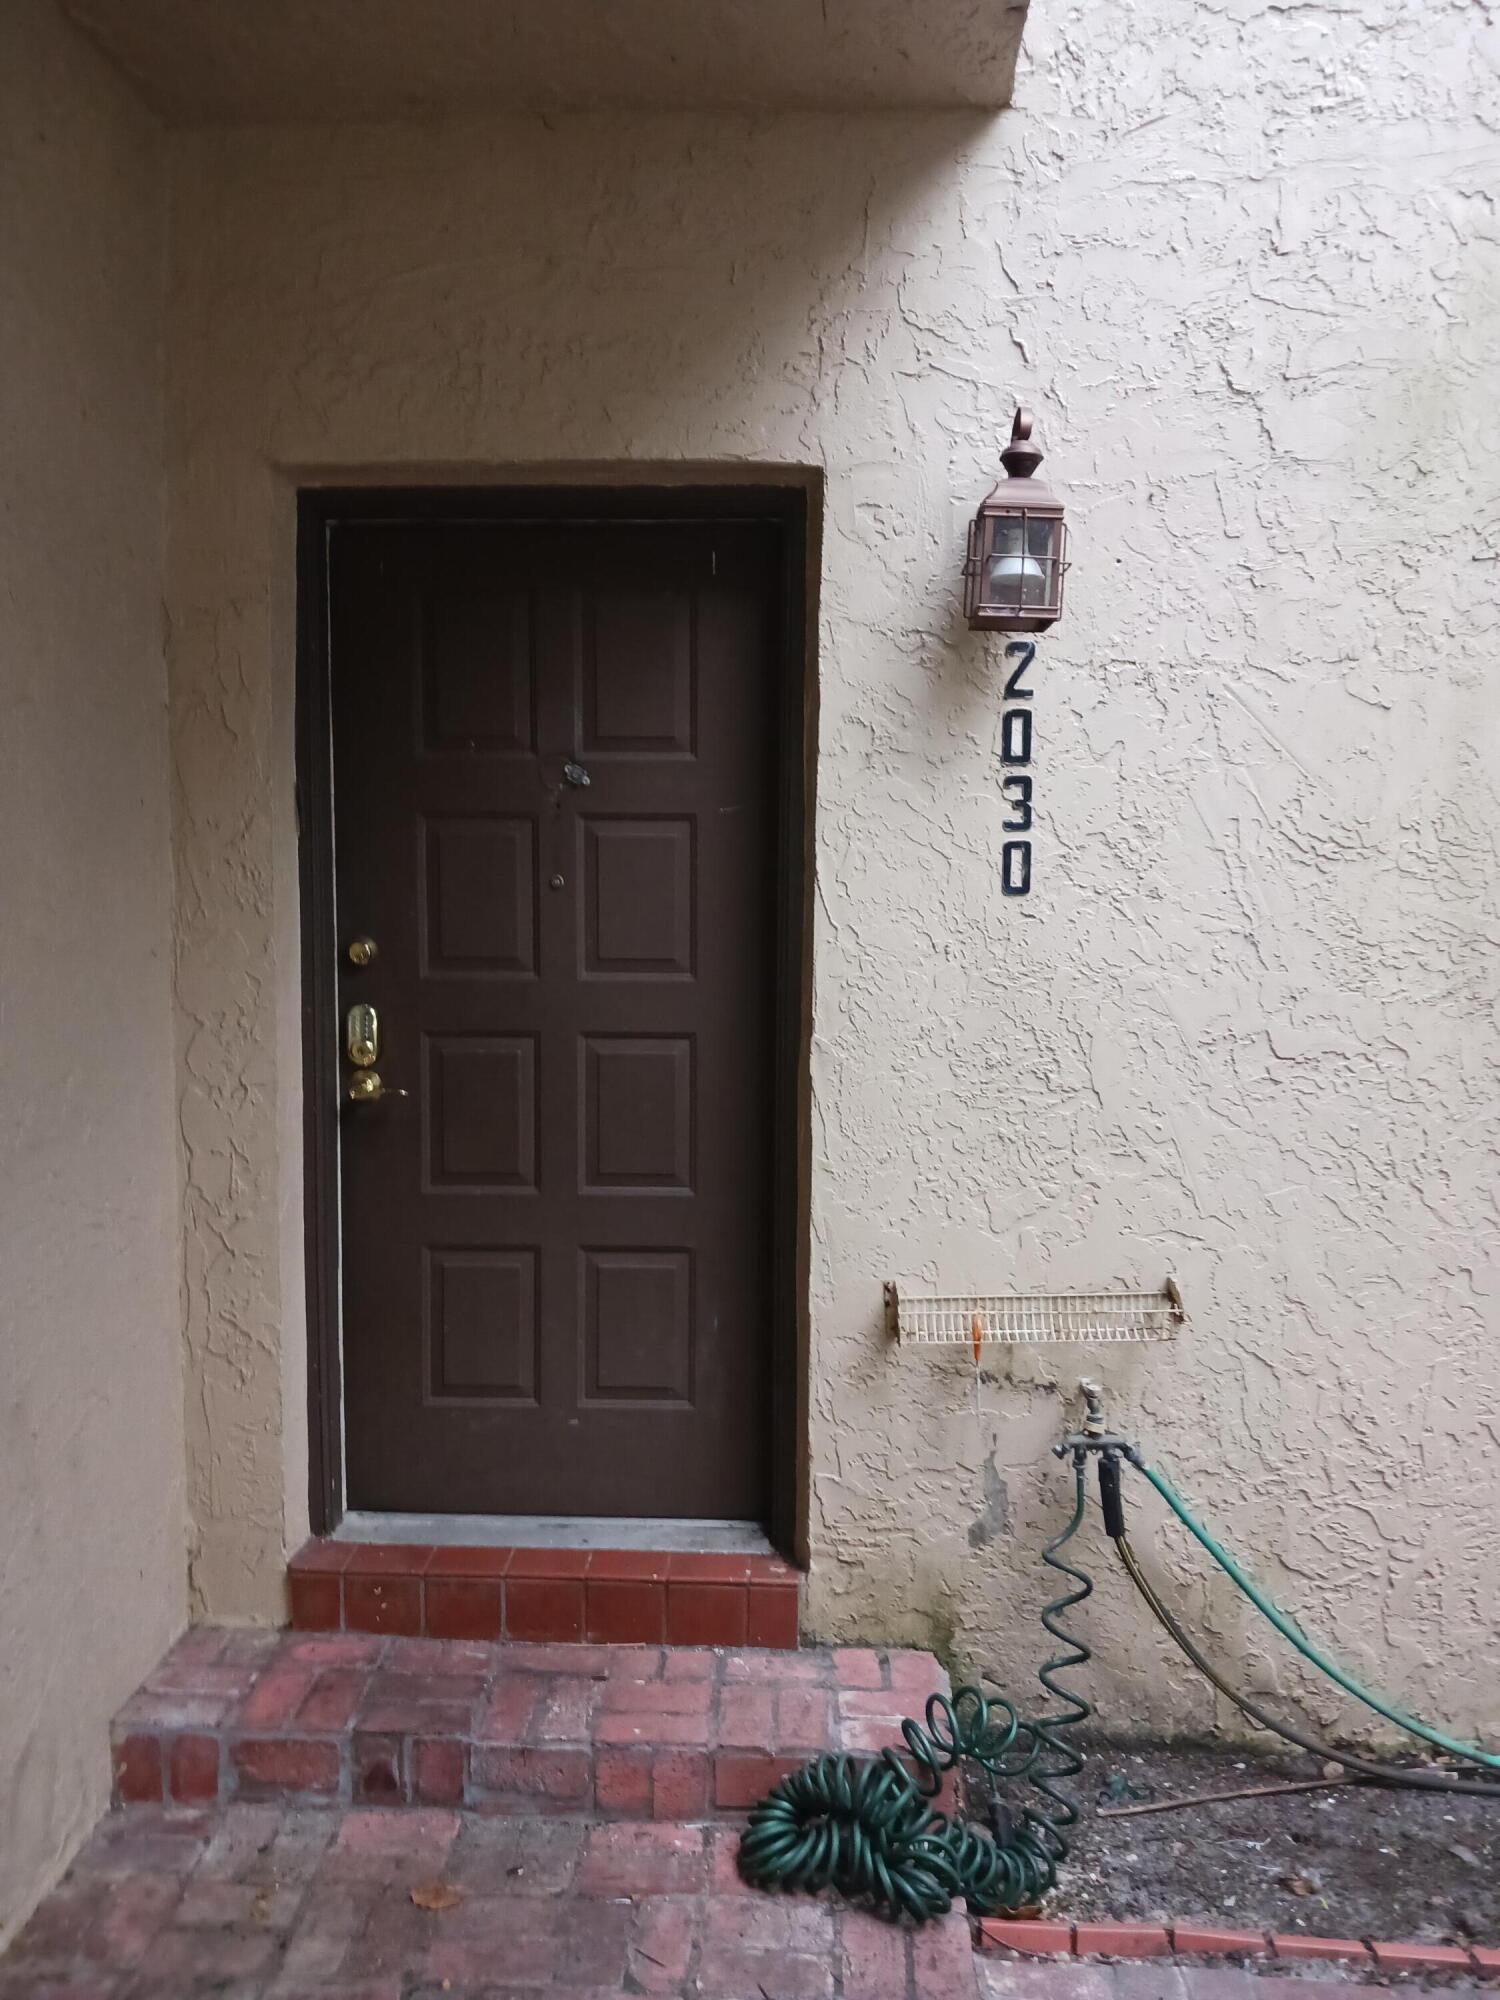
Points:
(91, 1489)
(1242, 258)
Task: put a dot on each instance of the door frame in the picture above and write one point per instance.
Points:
(319, 510)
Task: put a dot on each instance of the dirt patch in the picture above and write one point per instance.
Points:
(1357, 1862)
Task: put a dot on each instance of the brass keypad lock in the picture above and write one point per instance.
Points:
(362, 1038)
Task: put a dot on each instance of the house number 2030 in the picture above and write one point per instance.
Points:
(1015, 756)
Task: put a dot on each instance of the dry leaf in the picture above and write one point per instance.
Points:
(976, 1335)
(437, 1896)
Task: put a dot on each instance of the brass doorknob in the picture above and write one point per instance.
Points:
(367, 1087)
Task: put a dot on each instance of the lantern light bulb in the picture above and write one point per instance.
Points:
(1014, 579)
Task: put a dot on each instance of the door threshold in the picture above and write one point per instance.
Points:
(556, 1531)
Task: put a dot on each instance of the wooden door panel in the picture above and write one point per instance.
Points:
(647, 712)
(482, 1331)
(637, 902)
(479, 894)
(636, 1097)
(636, 1315)
(481, 1112)
(555, 1249)
(476, 670)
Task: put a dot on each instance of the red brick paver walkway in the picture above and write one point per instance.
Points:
(278, 1902)
(557, 1810)
(627, 1732)
(263, 1902)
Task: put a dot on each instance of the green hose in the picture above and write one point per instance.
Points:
(864, 1826)
(1401, 1776)
(1467, 1751)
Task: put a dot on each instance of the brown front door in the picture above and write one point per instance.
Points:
(553, 798)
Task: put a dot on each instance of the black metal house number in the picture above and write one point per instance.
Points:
(1015, 754)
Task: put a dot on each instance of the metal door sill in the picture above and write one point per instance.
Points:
(557, 1531)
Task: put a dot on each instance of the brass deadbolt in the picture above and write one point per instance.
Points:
(362, 1037)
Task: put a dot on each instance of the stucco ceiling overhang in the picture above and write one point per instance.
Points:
(207, 61)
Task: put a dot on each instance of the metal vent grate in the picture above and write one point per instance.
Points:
(1021, 1319)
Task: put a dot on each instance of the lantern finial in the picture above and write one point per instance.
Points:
(1021, 457)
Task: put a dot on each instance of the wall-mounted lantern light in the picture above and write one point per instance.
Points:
(1013, 579)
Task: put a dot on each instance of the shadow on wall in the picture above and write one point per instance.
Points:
(581, 287)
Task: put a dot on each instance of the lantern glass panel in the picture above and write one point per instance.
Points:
(1016, 570)
(1041, 537)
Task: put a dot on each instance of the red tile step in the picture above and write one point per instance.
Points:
(614, 1732)
(614, 1597)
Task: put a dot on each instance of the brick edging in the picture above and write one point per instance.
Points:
(1056, 1937)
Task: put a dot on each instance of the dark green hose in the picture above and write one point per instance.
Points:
(864, 1825)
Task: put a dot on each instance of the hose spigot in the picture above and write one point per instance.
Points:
(1095, 1435)
(1093, 1397)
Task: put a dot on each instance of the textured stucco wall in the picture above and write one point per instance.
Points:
(91, 1489)
(1242, 258)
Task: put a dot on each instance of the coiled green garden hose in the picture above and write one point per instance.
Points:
(864, 1825)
